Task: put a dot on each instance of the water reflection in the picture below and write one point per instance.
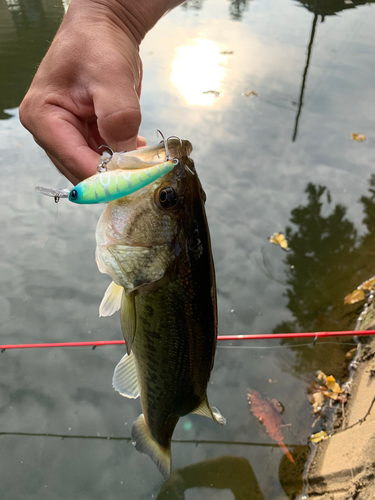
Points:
(327, 260)
(26, 29)
(236, 7)
(331, 7)
(192, 4)
(201, 86)
(322, 9)
(223, 473)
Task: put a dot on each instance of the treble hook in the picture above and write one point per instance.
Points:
(165, 142)
(175, 161)
(106, 158)
(175, 137)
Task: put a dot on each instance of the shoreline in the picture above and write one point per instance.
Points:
(344, 465)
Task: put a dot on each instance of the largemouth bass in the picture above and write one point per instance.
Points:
(155, 245)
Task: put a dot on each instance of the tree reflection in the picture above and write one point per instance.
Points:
(321, 250)
(27, 28)
(192, 4)
(237, 8)
(322, 9)
(331, 7)
(327, 260)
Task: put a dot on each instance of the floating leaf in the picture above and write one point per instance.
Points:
(354, 297)
(216, 93)
(358, 137)
(250, 93)
(279, 239)
(319, 436)
(268, 413)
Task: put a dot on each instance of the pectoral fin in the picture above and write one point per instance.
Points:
(128, 319)
(145, 443)
(112, 300)
(208, 411)
(125, 379)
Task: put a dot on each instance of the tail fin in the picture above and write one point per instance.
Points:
(145, 443)
(286, 451)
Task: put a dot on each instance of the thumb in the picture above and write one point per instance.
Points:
(118, 116)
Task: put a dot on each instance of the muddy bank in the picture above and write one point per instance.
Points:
(344, 465)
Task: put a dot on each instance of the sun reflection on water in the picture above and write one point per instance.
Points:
(198, 72)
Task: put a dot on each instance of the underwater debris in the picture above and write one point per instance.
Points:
(268, 412)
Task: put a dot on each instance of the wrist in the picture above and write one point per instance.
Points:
(134, 18)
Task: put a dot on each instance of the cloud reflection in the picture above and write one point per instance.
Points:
(198, 68)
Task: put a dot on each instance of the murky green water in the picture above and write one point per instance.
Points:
(282, 160)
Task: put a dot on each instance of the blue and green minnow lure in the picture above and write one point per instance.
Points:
(120, 174)
(114, 184)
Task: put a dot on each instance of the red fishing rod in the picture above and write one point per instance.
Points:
(267, 336)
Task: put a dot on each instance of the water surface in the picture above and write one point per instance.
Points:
(278, 159)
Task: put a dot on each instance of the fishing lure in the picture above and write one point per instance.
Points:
(119, 174)
(114, 184)
(110, 185)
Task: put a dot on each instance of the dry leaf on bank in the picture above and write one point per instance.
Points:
(359, 293)
(317, 400)
(333, 385)
(325, 387)
(354, 297)
(368, 284)
(319, 436)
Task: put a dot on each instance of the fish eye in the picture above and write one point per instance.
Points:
(74, 194)
(168, 197)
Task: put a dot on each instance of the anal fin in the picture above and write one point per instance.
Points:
(208, 411)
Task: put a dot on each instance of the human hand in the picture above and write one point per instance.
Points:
(87, 88)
